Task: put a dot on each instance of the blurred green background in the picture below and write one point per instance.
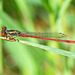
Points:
(37, 16)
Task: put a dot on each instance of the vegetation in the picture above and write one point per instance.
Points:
(38, 16)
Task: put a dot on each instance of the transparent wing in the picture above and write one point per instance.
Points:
(46, 35)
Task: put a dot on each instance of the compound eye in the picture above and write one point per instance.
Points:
(3, 34)
(4, 27)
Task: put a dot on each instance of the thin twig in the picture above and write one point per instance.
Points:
(4, 38)
(55, 50)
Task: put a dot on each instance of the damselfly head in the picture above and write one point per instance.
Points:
(3, 32)
(4, 28)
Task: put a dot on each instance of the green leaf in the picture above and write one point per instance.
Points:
(59, 51)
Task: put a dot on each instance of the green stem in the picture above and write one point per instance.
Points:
(61, 14)
(1, 56)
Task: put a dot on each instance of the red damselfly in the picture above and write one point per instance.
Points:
(46, 36)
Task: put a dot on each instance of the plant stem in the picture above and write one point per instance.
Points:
(1, 54)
